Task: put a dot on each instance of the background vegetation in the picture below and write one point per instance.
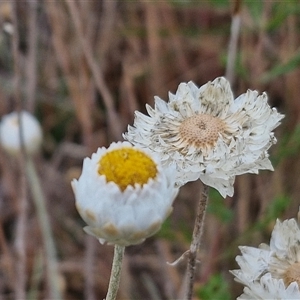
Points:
(83, 68)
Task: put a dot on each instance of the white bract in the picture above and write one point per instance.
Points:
(10, 133)
(272, 271)
(208, 134)
(124, 194)
(270, 288)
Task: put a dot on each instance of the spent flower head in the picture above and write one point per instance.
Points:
(10, 133)
(272, 271)
(208, 134)
(124, 194)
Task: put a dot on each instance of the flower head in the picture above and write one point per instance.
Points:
(209, 134)
(270, 288)
(10, 133)
(272, 271)
(124, 194)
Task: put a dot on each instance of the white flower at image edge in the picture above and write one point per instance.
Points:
(124, 194)
(272, 271)
(208, 134)
(10, 133)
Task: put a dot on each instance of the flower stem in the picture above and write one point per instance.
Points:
(115, 273)
(41, 210)
(21, 230)
(196, 240)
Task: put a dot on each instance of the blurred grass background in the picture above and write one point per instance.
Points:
(83, 68)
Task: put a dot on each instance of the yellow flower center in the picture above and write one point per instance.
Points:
(127, 166)
(292, 274)
(201, 130)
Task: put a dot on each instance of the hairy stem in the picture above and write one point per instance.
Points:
(115, 273)
(196, 240)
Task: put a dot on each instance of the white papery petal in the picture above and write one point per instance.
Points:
(123, 217)
(271, 272)
(284, 235)
(241, 148)
(270, 288)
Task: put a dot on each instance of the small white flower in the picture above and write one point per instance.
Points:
(268, 288)
(124, 194)
(208, 134)
(10, 136)
(272, 271)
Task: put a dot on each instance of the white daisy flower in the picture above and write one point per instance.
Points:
(124, 194)
(270, 288)
(272, 271)
(208, 134)
(10, 136)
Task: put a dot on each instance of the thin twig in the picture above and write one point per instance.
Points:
(233, 42)
(108, 22)
(115, 273)
(16, 58)
(32, 57)
(196, 240)
(153, 23)
(112, 116)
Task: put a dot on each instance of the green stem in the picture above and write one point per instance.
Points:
(41, 210)
(115, 273)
